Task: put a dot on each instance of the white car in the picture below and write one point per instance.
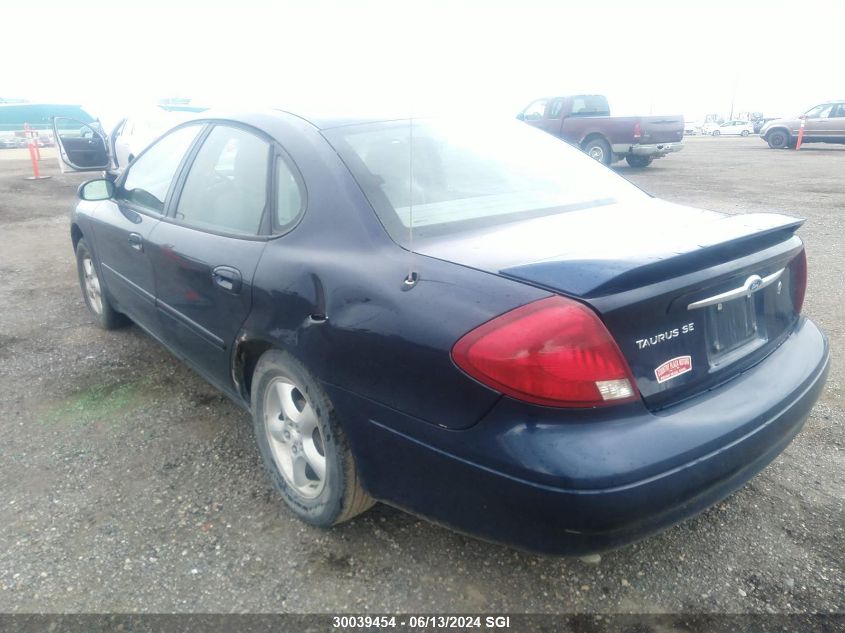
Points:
(134, 133)
(734, 128)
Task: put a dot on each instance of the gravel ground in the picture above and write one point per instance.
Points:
(128, 484)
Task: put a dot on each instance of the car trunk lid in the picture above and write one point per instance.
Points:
(654, 274)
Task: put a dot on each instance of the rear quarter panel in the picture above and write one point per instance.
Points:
(620, 130)
(379, 342)
(617, 130)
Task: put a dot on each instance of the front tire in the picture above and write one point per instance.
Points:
(599, 149)
(744, 133)
(778, 139)
(638, 162)
(716, 133)
(96, 299)
(303, 445)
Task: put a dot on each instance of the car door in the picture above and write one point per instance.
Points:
(81, 146)
(123, 225)
(551, 121)
(122, 144)
(837, 123)
(817, 122)
(114, 137)
(206, 252)
(535, 112)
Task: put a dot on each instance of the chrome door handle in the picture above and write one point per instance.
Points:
(136, 241)
(227, 278)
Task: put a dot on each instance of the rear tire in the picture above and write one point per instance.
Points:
(778, 139)
(599, 149)
(303, 445)
(95, 295)
(638, 162)
(744, 133)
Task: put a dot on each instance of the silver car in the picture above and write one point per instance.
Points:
(824, 123)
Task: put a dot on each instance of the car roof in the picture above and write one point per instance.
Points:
(266, 118)
(325, 121)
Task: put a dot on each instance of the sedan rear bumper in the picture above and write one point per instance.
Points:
(591, 480)
(655, 150)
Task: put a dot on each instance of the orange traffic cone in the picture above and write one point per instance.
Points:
(800, 135)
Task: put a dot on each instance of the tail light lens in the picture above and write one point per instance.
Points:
(638, 130)
(555, 352)
(798, 269)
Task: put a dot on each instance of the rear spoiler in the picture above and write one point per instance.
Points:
(732, 237)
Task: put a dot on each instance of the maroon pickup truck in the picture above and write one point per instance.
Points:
(585, 121)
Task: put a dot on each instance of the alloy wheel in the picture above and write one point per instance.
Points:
(92, 284)
(295, 437)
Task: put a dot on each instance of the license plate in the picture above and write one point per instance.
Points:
(733, 329)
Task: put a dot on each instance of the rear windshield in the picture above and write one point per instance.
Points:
(467, 176)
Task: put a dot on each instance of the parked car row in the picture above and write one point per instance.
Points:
(42, 140)
(823, 123)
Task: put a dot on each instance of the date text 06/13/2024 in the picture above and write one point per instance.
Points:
(421, 622)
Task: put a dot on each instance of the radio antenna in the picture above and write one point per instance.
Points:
(411, 280)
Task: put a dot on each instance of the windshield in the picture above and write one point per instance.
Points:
(819, 112)
(470, 175)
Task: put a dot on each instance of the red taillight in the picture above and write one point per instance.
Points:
(798, 282)
(638, 130)
(554, 352)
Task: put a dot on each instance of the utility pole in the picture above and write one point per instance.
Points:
(733, 98)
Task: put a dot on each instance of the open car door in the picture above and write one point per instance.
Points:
(82, 147)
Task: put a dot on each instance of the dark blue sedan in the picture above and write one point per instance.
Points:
(471, 321)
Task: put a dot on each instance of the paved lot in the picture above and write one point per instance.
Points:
(128, 484)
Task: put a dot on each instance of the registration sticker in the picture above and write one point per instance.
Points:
(673, 367)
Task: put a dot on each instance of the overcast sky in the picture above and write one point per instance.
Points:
(427, 56)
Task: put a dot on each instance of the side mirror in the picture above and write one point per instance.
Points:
(803, 116)
(94, 190)
(520, 116)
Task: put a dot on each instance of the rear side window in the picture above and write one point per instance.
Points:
(226, 188)
(288, 196)
(590, 105)
(148, 178)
